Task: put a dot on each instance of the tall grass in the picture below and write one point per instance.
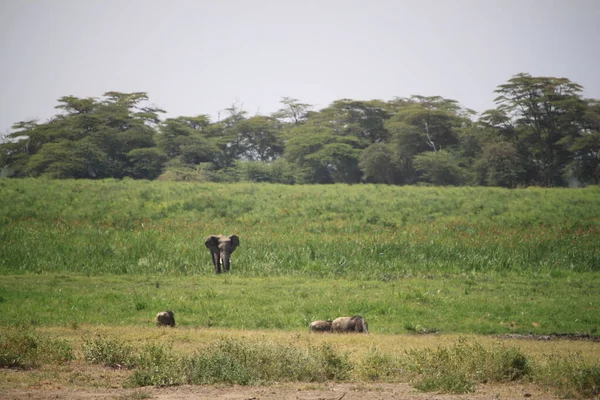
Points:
(363, 231)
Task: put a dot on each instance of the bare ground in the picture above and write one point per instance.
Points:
(82, 381)
(299, 391)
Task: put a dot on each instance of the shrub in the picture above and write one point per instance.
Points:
(278, 171)
(336, 366)
(110, 352)
(448, 381)
(456, 369)
(376, 366)
(157, 367)
(24, 348)
(228, 361)
(440, 168)
(571, 376)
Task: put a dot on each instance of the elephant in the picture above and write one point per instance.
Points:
(350, 324)
(320, 326)
(221, 247)
(165, 318)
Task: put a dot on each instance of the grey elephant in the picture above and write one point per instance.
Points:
(350, 324)
(221, 247)
(320, 326)
(165, 318)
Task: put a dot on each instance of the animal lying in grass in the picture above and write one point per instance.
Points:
(221, 247)
(350, 324)
(165, 318)
(320, 326)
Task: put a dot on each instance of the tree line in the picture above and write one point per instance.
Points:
(542, 132)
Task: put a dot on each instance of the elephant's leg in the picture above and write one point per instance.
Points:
(216, 262)
(225, 261)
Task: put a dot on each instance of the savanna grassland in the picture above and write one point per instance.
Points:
(85, 266)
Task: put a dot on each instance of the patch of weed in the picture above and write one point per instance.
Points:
(22, 347)
(99, 349)
(458, 368)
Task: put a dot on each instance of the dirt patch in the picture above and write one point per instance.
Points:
(554, 336)
(299, 391)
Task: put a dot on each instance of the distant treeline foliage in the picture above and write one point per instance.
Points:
(542, 132)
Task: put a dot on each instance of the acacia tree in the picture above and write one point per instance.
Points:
(545, 112)
(91, 138)
(259, 139)
(363, 120)
(585, 145)
(437, 119)
(421, 125)
(293, 112)
(322, 156)
(185, 139)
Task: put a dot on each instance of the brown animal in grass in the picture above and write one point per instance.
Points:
(350, 324)
(165, 318)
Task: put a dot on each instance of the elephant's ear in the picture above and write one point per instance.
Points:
(212, 242)
(235, 241)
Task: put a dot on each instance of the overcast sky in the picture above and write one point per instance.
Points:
(200, 57)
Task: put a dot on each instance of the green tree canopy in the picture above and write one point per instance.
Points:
(542, 132)
(544, 111)
(90, 138)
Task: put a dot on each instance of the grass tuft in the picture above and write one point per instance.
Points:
(570, 376)
(158, 367)
(458, 368)
(23, 347)
(98, 349)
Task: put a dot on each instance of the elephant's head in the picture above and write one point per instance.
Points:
(165, 318)
(221, 247)
(320, 326)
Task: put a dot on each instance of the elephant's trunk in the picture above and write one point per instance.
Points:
(225, 260)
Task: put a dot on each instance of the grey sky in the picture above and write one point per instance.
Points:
(199, 57)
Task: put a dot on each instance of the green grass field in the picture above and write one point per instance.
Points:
(356, 232)
(411, 260)
(478, 260)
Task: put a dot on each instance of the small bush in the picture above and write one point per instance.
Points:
(450, 382)
(376, 366)
(25, 348)
(224, 362)
(571, 376)
(157, 367)
(110, 352)
(587, 381)
(336, 366)
(456, 369)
